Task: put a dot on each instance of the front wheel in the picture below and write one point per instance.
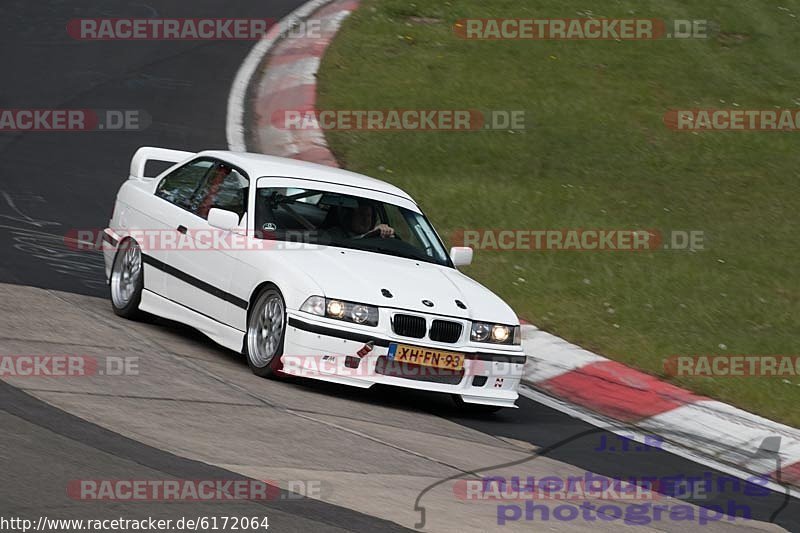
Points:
(127, 280)
(266, 328)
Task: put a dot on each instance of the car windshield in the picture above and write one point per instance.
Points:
(335, 219)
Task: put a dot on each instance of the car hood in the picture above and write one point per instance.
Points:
(361, 276)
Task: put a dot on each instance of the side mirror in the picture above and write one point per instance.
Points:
(461, 255)
(222, 219)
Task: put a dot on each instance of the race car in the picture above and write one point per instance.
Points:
(311, 271)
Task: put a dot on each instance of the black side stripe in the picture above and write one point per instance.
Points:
(499, 358)
(191, 280)
(193, 310)
(338, 333)
(358, 337)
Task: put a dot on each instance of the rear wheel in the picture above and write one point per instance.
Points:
(266, 328)
(127, 280)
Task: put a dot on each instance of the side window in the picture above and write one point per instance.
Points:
(180, 186)
(225, 188)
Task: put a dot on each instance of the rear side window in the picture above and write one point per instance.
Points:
(181, 185)
(224, 187)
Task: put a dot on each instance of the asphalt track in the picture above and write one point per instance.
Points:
(54, 182)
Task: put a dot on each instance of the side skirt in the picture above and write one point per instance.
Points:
(220, 333)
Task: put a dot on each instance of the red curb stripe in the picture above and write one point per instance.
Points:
(615, 390)
(292, 56)
(305, 45)
(301, 98)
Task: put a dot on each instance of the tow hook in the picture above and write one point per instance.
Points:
(366, 349)
(352, 362)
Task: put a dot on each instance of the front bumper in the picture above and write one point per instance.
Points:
(320, 350)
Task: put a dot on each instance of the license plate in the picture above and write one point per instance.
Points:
(403, 353)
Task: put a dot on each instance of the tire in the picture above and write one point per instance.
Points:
(473, 408)
(266, 331)
(127, 280)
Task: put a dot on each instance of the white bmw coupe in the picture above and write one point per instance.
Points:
(311, 271)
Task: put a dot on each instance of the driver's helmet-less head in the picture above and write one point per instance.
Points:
(360, 219)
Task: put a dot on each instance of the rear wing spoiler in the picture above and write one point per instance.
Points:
(151, 153)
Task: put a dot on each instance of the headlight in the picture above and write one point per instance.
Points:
(495, 333)
(335, 309)
(480, 332)
(500, 333)
(360, 313)
(341, 310)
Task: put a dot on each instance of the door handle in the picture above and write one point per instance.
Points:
(182, 229)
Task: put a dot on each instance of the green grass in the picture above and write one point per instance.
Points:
(598, 155)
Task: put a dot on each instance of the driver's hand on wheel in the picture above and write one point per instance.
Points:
(385, 230)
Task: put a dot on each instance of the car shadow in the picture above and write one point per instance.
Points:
(433, 403)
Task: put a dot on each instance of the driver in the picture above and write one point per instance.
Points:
(359, 223)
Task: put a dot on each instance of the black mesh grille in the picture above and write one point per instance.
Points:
(409, 326)
(445, 331)
(387, 367)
